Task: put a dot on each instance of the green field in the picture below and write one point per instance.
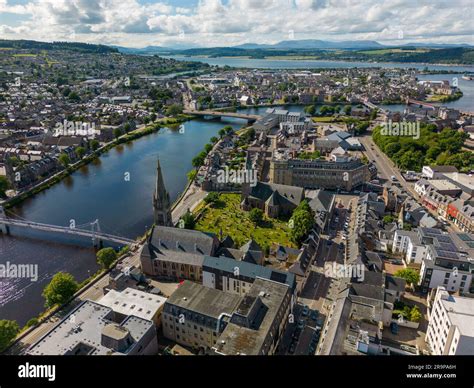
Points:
(234, 222)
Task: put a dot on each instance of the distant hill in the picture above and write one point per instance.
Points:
(73, 46)
(314, 44)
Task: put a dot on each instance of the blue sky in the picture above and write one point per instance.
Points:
(139, 23)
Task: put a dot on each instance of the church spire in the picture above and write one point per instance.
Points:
(161, 200)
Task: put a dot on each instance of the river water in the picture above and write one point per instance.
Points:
(123, 206)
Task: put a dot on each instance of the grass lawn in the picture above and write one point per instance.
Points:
(325, 119)
(236, 223)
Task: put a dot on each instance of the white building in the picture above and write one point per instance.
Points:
(451, 324)
(135, 302)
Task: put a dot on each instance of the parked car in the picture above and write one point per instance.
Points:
(314, 315)
(300, 324)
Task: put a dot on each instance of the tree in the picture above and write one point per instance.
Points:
(310, 109)
(347, 110)
(192, 175)
(117, 132)
(388, 219)
(415, 314)
(211, 198)
(410, 275)
(80, 152)
(174, 110)
(106, 257)
(221, 133)
(256, 216)
(214, 139)
(60, 289)
(8, 332)
(301, 222)
(64, 160)
(3, 185)
(94, 144)
(189, 222)
(208, 148)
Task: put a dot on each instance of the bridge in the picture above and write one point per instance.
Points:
(216, 113)
(94, 233)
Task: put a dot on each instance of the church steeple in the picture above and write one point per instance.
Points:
(161, 201)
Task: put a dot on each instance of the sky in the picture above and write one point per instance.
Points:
(210, 23)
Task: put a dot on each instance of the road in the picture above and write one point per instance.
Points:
(190, 200)
(387, 168)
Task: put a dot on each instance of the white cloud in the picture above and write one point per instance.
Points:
(224, 22)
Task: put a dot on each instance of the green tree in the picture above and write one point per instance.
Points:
(301, 222)
(117, 132)
(208, 148)
(388, 219)
(192, 175)
(409, 274)
(94, 144)
(256, 216)
(211, 198)
(106, 257)
(3, 185)
(174, 110)
(189, 220)
(415, 314)
(60, 289)
(8, 332)
(64, 160)
(310, 109)
(347, 110)
(80, 152)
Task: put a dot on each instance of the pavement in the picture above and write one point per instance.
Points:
(191, 198)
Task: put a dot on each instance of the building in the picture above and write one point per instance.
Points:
(345, 174)
(193, 315)
(161, 201)
(437, 172)
(94, 329)
(237, 277)
(135, 302)
(448, 261)
(259, 321)
(451, 324)
(175, 253)
(274, 200)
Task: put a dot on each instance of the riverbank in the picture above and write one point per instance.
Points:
(59, 176)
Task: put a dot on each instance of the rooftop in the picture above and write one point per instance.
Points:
(80, 332)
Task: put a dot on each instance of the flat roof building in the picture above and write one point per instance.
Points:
(94, 329)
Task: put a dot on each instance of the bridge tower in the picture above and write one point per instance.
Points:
(4, 228)
(96, 241)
